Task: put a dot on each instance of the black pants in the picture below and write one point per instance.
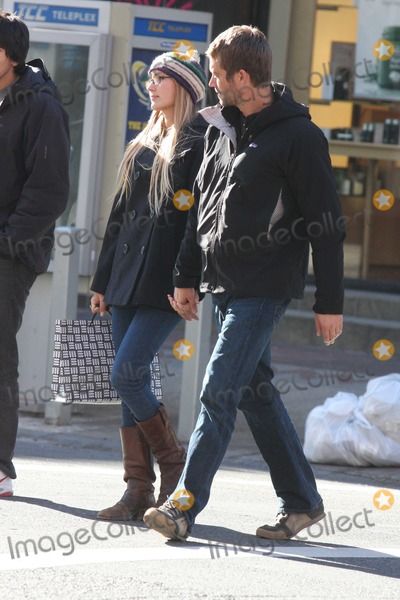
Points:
(15, 282)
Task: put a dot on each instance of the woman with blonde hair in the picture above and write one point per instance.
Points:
(134, 272)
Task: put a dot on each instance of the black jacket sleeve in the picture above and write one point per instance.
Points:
(311, 180)
(106, 257)
(188, 266)
(45, 191)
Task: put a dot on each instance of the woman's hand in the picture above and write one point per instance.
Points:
(97, 304)
(185, 303)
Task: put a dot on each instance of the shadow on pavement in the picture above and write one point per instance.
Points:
(223, 543)
(83, 513)
(387, 477)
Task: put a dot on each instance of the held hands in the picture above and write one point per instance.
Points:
(97, 304)
(330, 327)
(185, 303)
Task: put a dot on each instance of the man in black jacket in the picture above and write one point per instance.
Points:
(266, 192)
(34, 185)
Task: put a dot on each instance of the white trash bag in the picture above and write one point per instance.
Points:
(339, 431)
(322, 425)
(381, 404)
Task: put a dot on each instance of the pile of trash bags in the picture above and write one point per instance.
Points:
(359, 431)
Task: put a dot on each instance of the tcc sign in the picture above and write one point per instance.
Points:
(32, 12)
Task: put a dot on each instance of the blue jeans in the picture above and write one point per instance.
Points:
(138, 334)
(239, 375)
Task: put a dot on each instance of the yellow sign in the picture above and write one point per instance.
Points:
(157, 26)
(136, 125)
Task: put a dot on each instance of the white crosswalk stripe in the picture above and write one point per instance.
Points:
(212, 551)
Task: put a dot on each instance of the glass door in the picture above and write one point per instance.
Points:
(78, 64)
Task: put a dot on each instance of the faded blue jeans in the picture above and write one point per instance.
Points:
(239, 375)
(138, 334)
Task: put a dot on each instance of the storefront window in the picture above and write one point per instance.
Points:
(354, 88)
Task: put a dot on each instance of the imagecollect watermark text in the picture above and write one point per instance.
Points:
(67, 542)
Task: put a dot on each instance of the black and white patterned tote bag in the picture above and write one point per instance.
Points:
(82, 361)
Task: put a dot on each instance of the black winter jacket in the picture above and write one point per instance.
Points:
(34, 160)
(266, 191)
(139, 250)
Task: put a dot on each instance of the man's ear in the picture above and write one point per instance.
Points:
(243, 77)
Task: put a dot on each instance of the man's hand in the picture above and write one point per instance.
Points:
(329, 326)
(97, 304)
(185, 303)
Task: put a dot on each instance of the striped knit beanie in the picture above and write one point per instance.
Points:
(185, 69)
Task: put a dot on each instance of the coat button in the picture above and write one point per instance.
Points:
(125, 248)
(142, 249)
(132, 214)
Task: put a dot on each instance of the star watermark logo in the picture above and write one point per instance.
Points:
(183, 499)
(383, 349)
(184, 50)
(383, 499)
(183, 350)
(383, 50)
(383, 199)
(183, 200)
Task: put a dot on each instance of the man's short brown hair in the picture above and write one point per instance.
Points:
(243, 47)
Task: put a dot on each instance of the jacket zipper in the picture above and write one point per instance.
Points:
(218, 216)
(241, 143)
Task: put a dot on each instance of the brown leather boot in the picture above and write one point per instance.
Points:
(139, 475)
(168, 451)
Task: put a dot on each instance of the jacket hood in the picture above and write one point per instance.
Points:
(196, 128)
(34, 78)
(284, 107)
(228, 118)
(213, 115)
(198, 123)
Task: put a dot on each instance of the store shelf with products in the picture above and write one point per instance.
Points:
(370, 151)
(362, 129)
(372, 234)
(354, 97)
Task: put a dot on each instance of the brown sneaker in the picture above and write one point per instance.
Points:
(289, 525)
(167, 520)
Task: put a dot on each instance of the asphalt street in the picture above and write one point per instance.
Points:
(66, 474)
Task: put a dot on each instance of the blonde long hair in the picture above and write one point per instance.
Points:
(163, 142)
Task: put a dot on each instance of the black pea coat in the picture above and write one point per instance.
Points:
(139, 250)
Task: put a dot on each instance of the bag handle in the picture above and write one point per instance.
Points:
(95, 315)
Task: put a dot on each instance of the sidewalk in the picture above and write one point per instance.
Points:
(305, 377)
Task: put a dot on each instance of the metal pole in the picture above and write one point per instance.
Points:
(63, 305)
(199, 334)
(371, 183)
